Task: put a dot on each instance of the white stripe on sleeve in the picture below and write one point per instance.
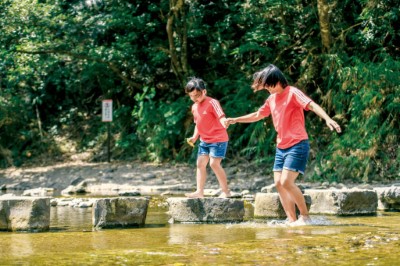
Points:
(217, 108)
(301, 96)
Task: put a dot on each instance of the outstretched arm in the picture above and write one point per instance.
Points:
(250, 118)
(321, 113)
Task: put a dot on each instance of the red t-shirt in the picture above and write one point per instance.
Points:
(287, 110)
(206, 116)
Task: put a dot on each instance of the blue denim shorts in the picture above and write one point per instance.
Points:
(216, 149)
(293, 158)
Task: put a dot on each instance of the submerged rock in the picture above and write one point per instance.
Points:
(39, 192)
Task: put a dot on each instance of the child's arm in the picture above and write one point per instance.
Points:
(195, 136)
(250, 118)
(321, 113)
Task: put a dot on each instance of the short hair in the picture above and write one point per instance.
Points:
(269, 76)
(195, 84)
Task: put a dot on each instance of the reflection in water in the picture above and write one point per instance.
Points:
(206, 233)
(268, 234)
(71, 219)
(20, 245)
(98, 240)
(189, 233)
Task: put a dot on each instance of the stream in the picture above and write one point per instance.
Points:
(331, 240)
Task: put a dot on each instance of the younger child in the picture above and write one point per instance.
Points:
(209, 119)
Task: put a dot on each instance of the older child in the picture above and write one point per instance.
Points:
(286, 105)
(210, 127)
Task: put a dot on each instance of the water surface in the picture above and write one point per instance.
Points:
(329, 241)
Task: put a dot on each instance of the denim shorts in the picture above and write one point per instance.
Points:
(293, 158)
(215, 150)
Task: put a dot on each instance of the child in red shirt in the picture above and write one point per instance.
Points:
(286, 105)
(210, 127)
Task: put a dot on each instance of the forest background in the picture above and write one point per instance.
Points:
(60, 59)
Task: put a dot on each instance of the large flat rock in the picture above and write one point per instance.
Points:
(388, 198)
(19, 213)
(343, 201)
(119, 212)
(206, 210)
(268, 205)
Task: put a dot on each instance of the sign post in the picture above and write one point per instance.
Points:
(106, 116)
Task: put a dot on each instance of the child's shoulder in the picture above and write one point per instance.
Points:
(297, 91)
(211, 99)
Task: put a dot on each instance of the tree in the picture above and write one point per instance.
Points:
(177, 36)
(323, 13)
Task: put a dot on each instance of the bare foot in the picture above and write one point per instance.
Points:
(303, 220)
(225, 195)
(195, 195)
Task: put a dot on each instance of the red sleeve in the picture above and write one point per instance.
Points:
(265, 110)
(217, 108)
(301, 98)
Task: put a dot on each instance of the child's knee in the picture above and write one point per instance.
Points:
(201, 165)
(286, 183)
(215, 164)
(278, 184)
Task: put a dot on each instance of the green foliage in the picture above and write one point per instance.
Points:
(59, 59)
(160, 126)
(367, 149)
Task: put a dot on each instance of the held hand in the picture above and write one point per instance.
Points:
(223, 122)
(230, 121)
(333, 125)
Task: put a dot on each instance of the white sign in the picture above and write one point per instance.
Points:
(106, 111)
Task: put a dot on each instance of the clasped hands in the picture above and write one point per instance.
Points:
(227, 121)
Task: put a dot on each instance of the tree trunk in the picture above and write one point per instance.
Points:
(323, 14)
(177, 36)
(39, 122)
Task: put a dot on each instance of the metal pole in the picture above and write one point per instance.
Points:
(108, 141)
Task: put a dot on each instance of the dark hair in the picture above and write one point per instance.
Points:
(269, 76)
(195, 84)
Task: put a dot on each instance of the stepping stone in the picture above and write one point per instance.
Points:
(119, 212)
(343, 202)
(206, 210)
(388, 198)
(19, 213)
(268, 205)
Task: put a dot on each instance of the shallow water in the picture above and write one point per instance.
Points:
(329, 241)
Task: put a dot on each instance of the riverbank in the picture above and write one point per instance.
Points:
(60, 176)
(242, 177)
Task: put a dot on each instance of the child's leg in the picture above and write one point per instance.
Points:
(201, 172)
(286, 200)
(201, 176)
(288, 164)
(287, 181)
(215, 164)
